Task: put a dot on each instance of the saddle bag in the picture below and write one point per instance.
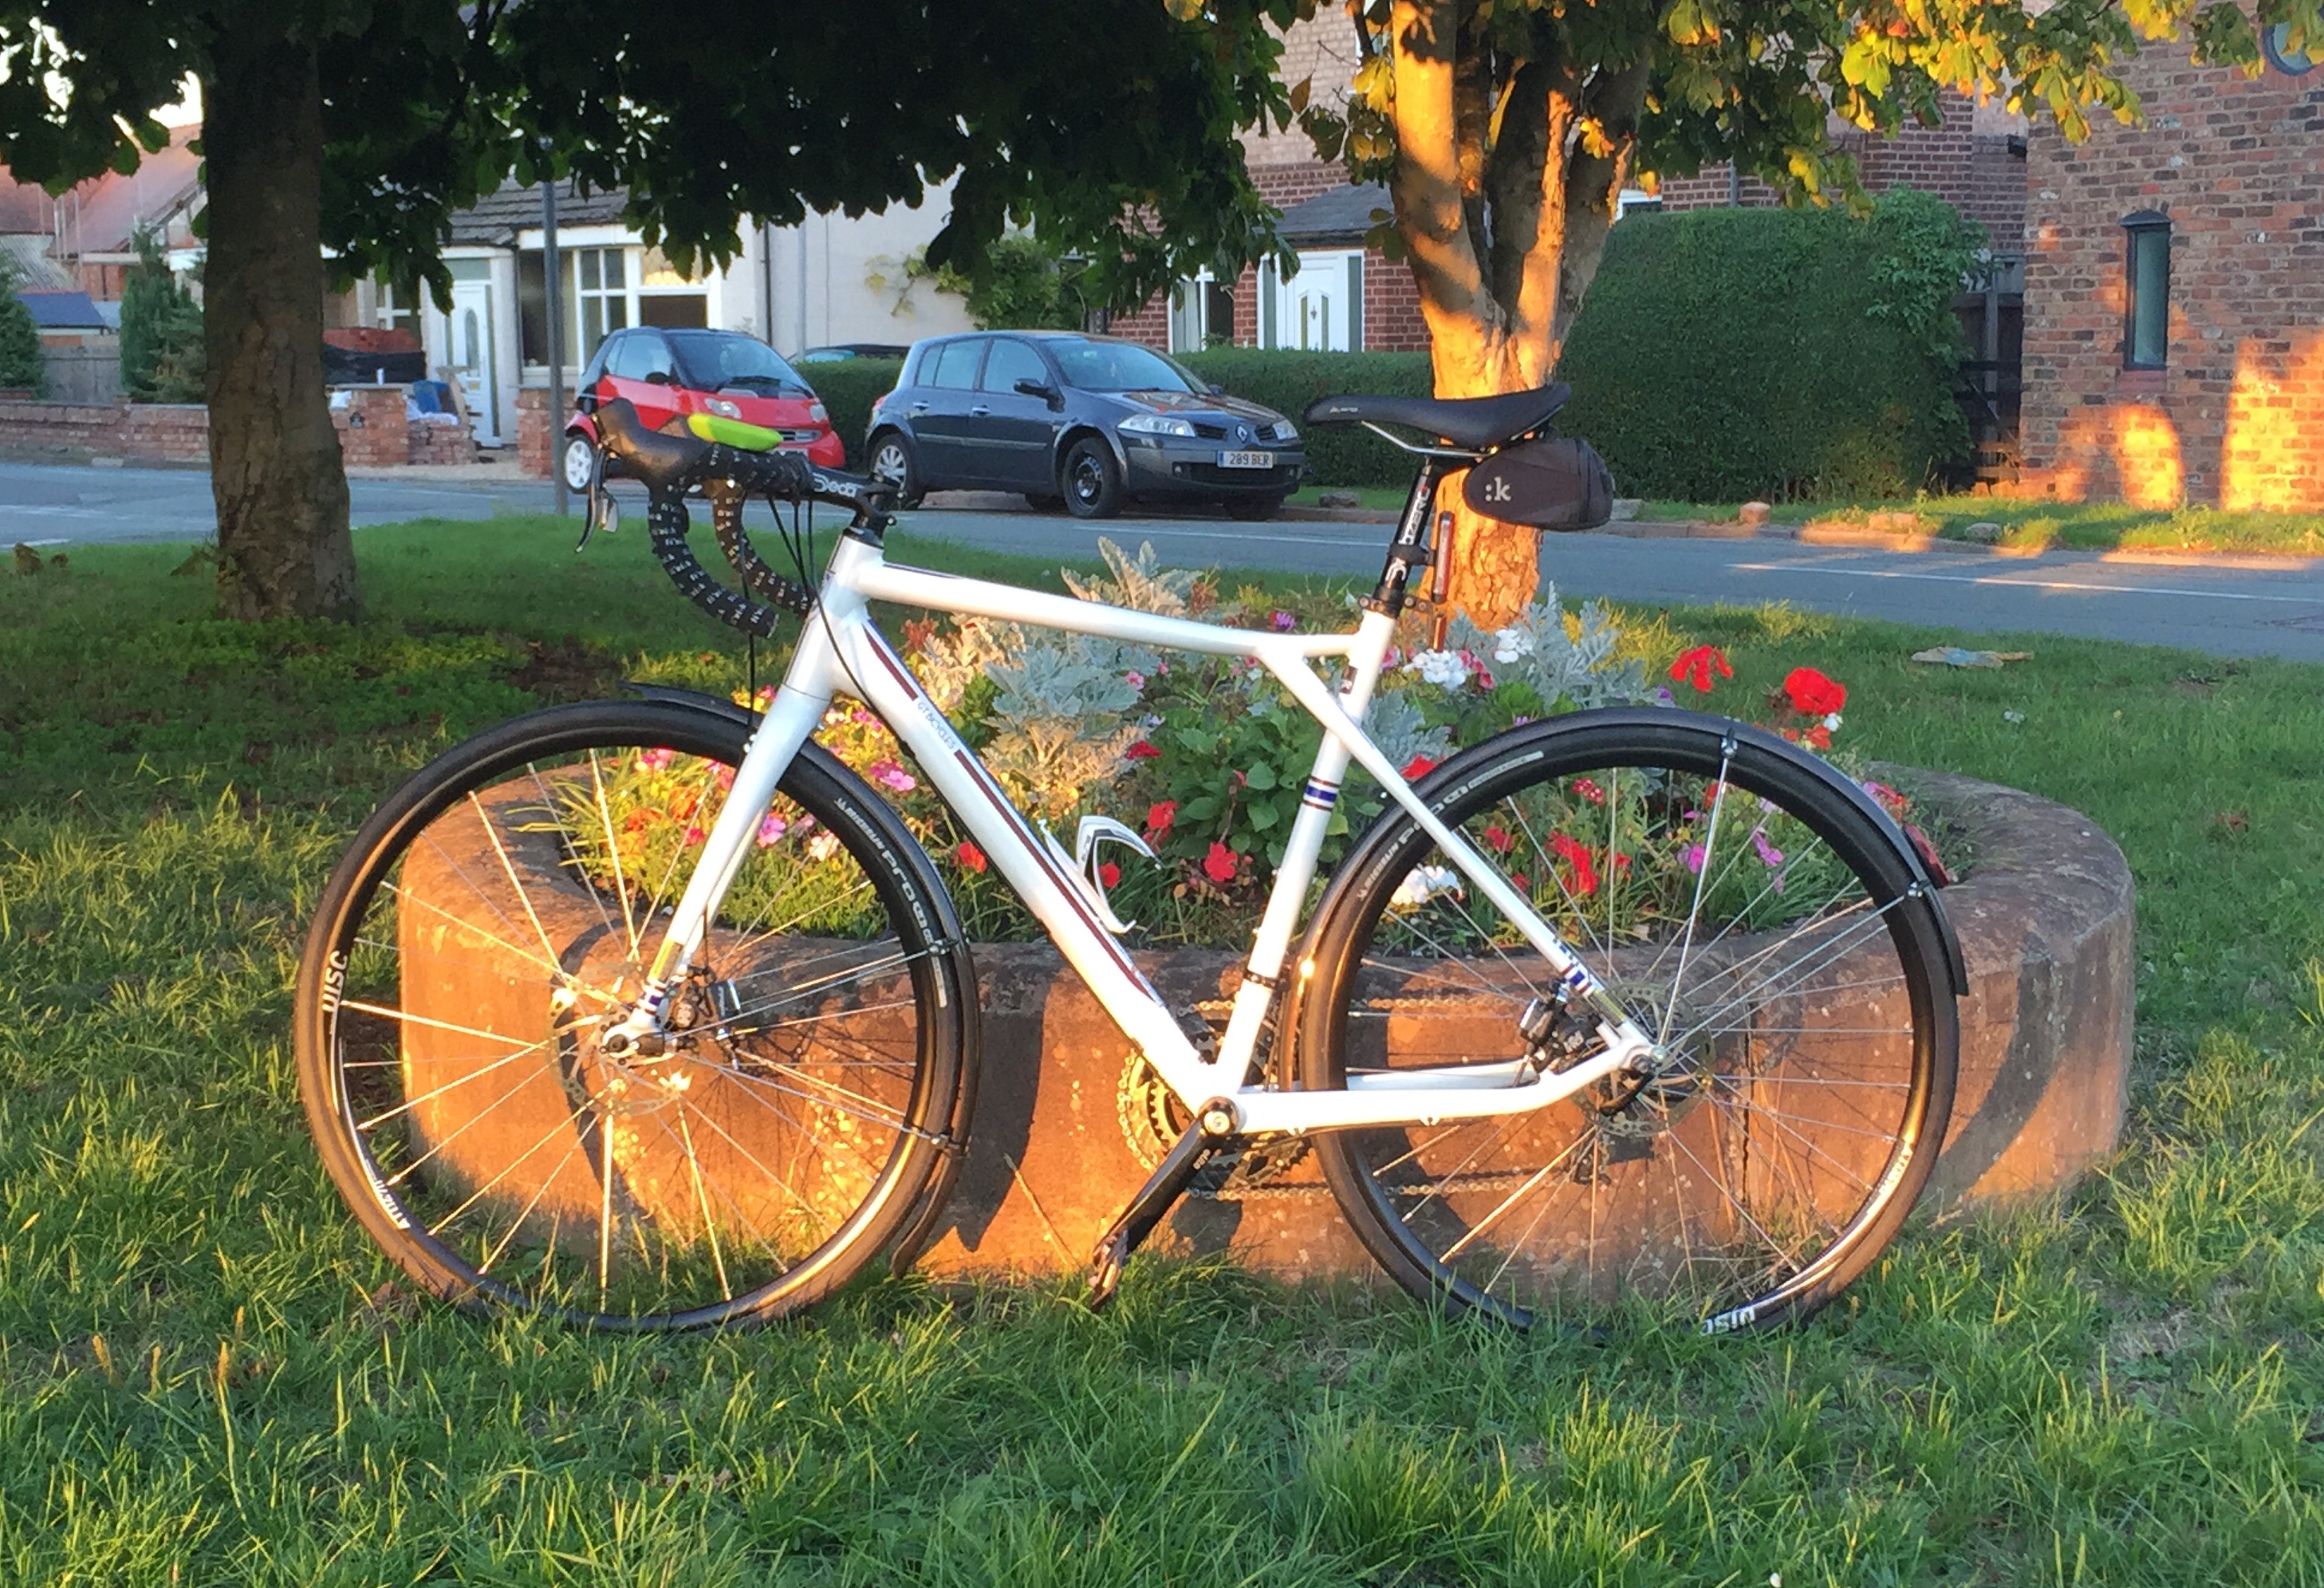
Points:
(1550, 482)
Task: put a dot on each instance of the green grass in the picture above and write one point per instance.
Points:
(2033, 524)
(206, 1376)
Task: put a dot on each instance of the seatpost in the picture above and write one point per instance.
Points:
(1408, 549)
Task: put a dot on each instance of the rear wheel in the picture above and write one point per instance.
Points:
(492, 922)
(580, 458)
(1754, 915)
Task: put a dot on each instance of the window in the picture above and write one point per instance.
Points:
(1010, 362)
(1120, 366)
(640, 358)
(2147, 306)
(955, 365)
(711, 361)
(398, 309)
(1202, 314)
(603, 298)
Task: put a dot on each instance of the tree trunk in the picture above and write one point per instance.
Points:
(1503, 234)
(284, 549)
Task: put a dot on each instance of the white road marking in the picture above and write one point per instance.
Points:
(2008, 584)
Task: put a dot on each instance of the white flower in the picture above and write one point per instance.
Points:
(1511, 644)
(822, 846)
(1444, 668)
(1423, 883)
(1832, 721)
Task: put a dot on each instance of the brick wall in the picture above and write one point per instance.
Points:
(2236, 417)
(144, 432)
(534, 449)
(1979, 172)
(372, 429)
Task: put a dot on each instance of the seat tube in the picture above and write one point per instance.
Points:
(1302, 846)
(1408, 549)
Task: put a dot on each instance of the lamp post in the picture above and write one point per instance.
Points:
(553, 280)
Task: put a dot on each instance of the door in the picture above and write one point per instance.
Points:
(1009, 434)
(1321, 308)
(939, 411)
(472, 365)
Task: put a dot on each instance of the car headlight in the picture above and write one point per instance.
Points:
(723, 409)
(1284, 430)
(1156, 424)
(817, 412)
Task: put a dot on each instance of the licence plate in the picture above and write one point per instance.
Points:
(1245, 460)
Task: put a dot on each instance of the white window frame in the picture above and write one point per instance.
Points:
(1339, 274)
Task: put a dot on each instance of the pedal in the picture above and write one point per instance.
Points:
(1153, 1202)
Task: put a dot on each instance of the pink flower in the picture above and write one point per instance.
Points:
(657, 761)
(888, 774)
(1693, 858)
(1590, 791)
(1770, 855)
(1220, 864)
(1283, 623)
(1135, 679)
(771, 830)
(692, 836)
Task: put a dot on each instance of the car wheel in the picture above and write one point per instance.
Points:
(892, 460)
(1252, 509)
(1042, 502)
(580, 458)
(1093, 480)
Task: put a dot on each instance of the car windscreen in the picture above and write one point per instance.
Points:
(709, 360)
(1119, 366)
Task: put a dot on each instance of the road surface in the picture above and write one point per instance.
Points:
(2227, 609)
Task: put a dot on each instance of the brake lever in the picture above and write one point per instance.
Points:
(601, 509)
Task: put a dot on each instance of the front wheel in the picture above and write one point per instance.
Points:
(494, 919)
(893, 460)
(1757, 915)
(1093, 479)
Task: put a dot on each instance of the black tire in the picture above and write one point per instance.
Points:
(580, 458)
(1092, 479)
(891, 458)
(1821, 1128)
(784, 1140)
(1253, 509)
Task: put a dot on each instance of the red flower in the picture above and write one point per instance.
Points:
(1590, 791)
(1697, 665)
(1498, 837)
(1220, 864)
(969, 856)
(1107, 874)
(1576, 856)
(1159, 818)
(1142, 751)
(1419, 767)
(1814, 695)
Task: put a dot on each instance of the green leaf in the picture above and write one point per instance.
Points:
(1260, 776)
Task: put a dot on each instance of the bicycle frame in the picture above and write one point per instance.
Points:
(841, 651)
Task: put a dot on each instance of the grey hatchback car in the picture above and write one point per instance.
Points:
(1087, 422)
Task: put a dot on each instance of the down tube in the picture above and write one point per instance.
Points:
(1010, 844)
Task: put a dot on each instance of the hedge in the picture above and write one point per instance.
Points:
(1724, 354)
(1288, 382)
(849, 387)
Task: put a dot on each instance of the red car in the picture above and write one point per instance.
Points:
(668, 375)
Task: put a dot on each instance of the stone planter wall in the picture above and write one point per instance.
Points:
(1067, 1125)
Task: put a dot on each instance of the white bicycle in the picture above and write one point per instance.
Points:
(652, 1014)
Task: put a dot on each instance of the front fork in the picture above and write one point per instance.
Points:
(790, 720)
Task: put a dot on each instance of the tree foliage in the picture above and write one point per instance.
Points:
(161, 355)
(21, 364)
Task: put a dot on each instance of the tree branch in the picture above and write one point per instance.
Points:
(1516, 177)
(1593, 189)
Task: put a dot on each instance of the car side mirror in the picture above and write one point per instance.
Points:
(1217, 390)
(659, 377)
(1043, 389)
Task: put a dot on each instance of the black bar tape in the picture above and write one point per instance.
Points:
(757, 576)
(666, 524)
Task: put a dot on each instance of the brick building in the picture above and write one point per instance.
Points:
(2174, 294)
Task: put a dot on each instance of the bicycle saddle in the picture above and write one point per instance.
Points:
(1475, 423)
